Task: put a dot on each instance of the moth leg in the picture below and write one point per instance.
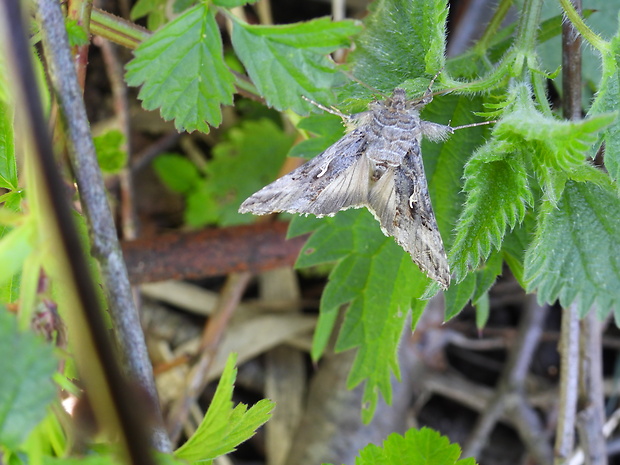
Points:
(414, 196)
(324, 168)
(435, 132)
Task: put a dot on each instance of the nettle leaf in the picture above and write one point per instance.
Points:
(402, 39)
(259, 146)
(26, 386)
(223, 427)
(574, 255)
(557, 148)
(417, 447)
(182, 71)
(290, 61)
(497, 196)
(606, 101)
(378, 279)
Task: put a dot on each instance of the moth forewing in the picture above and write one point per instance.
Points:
(377, 165)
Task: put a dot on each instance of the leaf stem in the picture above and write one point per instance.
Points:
(527, 32)
(588, 34)
(491, 30)
(117, 30)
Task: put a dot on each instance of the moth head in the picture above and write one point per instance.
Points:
(398, 100)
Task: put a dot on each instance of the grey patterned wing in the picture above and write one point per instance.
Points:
(400, 201)
(335, 180)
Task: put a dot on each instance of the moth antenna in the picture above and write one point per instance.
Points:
(332, 110)
(374, 90)
(483, 123)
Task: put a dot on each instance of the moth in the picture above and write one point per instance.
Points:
(377, 165)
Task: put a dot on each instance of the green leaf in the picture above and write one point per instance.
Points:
(574, 255)
(416, 447)
(291, 61)
(8, 167)
(515, 244)
(26, 387)
(110, 155)
(402, 40)
(182, 71)
(557, 148)
(177, 172)
(223, 428)
(606, 101)
(378, 280)
(76, 34)
(497, 197)
(258, 148)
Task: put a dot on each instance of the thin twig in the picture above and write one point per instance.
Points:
(569, 339)
(591, 393)
(569, 368)
(509, 394)
(105, 246)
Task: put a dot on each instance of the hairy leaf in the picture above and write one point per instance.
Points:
(606, 101)
(378, 280)
(574, 255)
(402, 40)
(182, 71)
(291, 61)
(497, 197)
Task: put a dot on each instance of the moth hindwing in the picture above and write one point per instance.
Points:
(377, 165)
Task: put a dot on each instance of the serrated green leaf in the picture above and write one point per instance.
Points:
(606, 101)
(574, 255)
(75, 33)
(110, 155)
(182, 71)
(8, 166)
(402, 40)
(26, 387)
(177, 172)
(297, 58)
(416, 447)
(256, 147)
(557, 148)
(378, 280)
(498, 194)
(223, 428)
